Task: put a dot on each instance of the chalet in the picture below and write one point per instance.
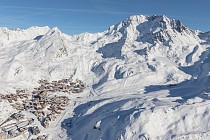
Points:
(55, 111)
(20, 91)
(40, 118)
(77, 90)
(44, 106)
(42, 137)
(10, 100)
(18, 116)
(51, 117)
(22, 129)
(12, 133)
(60, 108)
(46, 123)
(38, 105)
(36, 92)
(72, 83)
(40, 95)
(35, 130)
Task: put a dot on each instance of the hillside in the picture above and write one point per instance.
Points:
(147, 78)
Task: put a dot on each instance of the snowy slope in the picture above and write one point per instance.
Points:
(147, 77)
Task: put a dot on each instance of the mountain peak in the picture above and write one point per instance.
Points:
(156, 28)
(154, 20)
(132, 20)
(12, 35)
(137, 18)
(142, 18)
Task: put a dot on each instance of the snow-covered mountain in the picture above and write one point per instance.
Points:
(148, 77)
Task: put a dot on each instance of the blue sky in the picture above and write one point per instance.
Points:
(77, 16)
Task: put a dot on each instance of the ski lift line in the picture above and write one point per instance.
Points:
(60, 119)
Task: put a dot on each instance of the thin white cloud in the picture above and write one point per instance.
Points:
(70, 10)
(104, 1)
(21, 18)
(10, 20)
(83, 27)
(34, 14)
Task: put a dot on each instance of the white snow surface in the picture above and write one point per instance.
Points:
(147, 78)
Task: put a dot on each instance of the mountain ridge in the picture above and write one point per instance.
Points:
(143, 75)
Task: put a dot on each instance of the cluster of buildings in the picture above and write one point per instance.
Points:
(35, 131)
(18, 127)
(14, 97)
(41, 137)
(64, 85)
(16, 116)
(43, 103)
(47, 108)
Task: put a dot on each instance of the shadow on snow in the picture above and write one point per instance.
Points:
(113, 121)
(198, 85)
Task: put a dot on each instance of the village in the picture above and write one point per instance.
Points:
(44, 102)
